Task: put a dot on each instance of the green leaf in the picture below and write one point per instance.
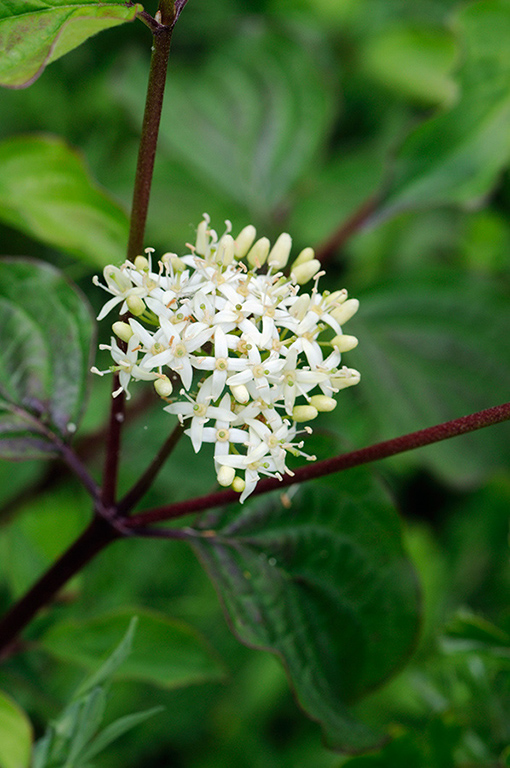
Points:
(433, 347)
(326, 586)
(413, 61)
(33, 33)
(165, 653)
(467, 632)
(47, 329)
(15, 735)
(47, 192)
(116, 730)
(250, 121)
(113, 662)
(455, 158)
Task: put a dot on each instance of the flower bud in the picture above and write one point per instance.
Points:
(141, 264)
(202, 241)
(238, 484)
(244, 241)
(345, 311)
(135, 305)
(163, 386)
(346, 377)
(323, 403)
(225, 252)
(300, 307)
(335, 298)
(304, 413)
(122, 330)
(280, 252)
(307, 254)
(344, 343)
(226, 475)
(304, 272)
(258, 253)
(240, 392)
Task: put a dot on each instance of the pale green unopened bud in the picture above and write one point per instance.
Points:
(345, 311)
(141, 264)
(225, 252)
(163, 386)
(135, 305)
(346, 377)
(323, 403)
(177, 264)
(280, 252)
(258, 253)
(304, 272)
(202, 240)
(226, 475)
(300, 307)
(337, 297)
(238, 484)
(122, 330)
(307, 254)
(344, 343)
(244, 241)
(304, 413)
(240, 392)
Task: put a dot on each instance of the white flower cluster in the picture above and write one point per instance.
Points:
(232, 345)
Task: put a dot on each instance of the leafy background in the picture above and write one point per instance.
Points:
(289, 114)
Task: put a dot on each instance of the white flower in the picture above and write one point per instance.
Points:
(241, 336)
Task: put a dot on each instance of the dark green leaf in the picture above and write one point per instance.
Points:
(414, 61)
(432, 348)
(250, 121)
(33, 33)
(117, 729)
(165, 653)
(47, 192)
(455, 158)
(326, 586)
(47, 331)
(15, 735)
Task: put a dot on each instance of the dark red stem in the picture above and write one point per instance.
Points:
(326, 250)
(374, 452)
(95, 538)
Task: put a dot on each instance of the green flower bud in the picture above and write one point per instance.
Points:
(163, 386)
(258, 253)
(323, 403)
(304, 272)
(307, 254)
(238, 484)
(135, 305)
(225, 252)
(244, 241)
(346, 377)
(344, 343)
(122, 330)
(226, 476)
(304, 413)
(345, 311)
(141, 264)
(280, 252)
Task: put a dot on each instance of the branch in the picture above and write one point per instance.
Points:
(339, 463)
(337, 240)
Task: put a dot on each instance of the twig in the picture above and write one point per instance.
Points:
(339, 463)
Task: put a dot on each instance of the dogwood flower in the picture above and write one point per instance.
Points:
(230, 342)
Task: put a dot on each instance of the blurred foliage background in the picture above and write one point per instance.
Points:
(299, 116)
